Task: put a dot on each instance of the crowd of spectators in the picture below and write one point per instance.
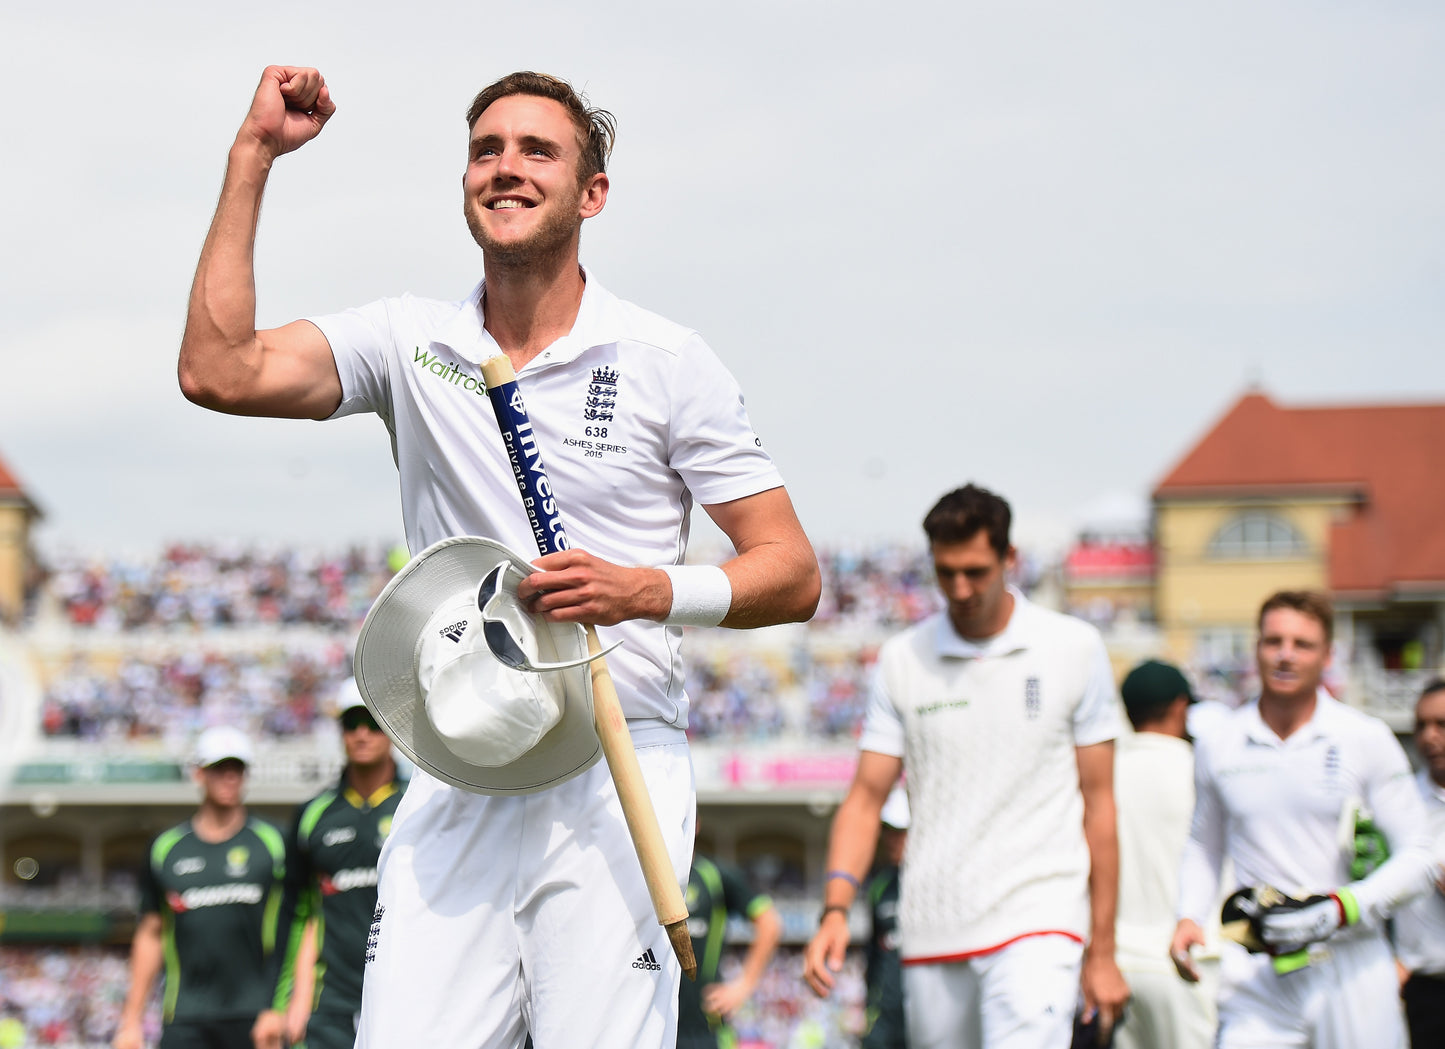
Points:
(65, 997)
(273, 692)
(203, 586)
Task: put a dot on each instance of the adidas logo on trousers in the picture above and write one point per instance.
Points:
(647, 960)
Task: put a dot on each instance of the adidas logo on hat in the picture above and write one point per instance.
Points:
(455, 631)
(647, 960)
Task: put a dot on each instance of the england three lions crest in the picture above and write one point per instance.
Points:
(601, 400)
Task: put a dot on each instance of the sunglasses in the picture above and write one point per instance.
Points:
(354, 718)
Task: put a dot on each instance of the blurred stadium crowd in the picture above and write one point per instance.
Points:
(160, 657)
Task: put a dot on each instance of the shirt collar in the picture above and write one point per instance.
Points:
(597, 324)
(1012, 638)
(1317, 727)
(1429, 785)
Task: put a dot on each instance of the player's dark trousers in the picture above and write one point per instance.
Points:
(207, 1034)
(1425, 1010)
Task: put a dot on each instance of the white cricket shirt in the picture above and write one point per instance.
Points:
(636, 419)
(1154, 800)
(987, 733)
(1280, 810)
(1420, 924)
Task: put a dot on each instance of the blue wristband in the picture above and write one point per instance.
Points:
(845, 876)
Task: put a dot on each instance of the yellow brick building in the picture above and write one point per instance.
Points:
(17, 513)
(1344, 499)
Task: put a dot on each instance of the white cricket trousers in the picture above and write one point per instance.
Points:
(500, 915)
(1347, 998)
(1021, 996)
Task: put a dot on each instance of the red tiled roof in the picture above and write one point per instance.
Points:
(10, 489)
(1390, 457)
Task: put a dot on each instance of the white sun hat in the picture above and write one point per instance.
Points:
(221, 743)
(436, 686)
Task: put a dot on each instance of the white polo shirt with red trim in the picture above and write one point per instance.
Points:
(987, 732)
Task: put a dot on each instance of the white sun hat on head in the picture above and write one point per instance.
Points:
(427, 665)
(220, 743)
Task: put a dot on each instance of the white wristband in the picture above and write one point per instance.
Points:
(701, 595)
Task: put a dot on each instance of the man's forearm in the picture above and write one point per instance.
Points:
(776, 583)
(1102, 837)
(767, 931)
(145, 966)
(1409, 873)
(219, 349)
(850, 849)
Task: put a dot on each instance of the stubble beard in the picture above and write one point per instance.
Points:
(1303, 689)
(547, 243)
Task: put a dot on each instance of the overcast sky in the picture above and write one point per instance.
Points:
(1042, 246)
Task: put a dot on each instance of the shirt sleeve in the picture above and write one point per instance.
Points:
(1096, 718)
(150, 890)
(361, 343)
(882, 725)
(739, 897)
(1395, 803)
(1204, 851)
(711, 442)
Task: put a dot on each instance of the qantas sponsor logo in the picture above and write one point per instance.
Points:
(214, 896)
(338, 835)
(190, 865)
(345, 881)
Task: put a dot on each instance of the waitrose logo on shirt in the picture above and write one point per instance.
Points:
(448, 371)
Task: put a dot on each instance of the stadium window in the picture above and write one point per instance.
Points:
(1257, 535)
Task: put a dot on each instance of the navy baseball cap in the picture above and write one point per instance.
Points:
(1153, 684)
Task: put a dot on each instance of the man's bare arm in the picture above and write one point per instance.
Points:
(774, 577)
(851, 844)
(724, 999)
(1102, 984)
(225, 363)
(146, 952)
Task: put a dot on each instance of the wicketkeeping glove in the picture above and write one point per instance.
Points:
(1292, 925)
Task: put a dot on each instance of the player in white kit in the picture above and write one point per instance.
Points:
(1420, 925)
(1154, 796)
(1004, 715)
(1278, 788)
(501, 916)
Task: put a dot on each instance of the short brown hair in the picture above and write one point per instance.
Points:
(964, 512)
(1312, 603)
(596, 128)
